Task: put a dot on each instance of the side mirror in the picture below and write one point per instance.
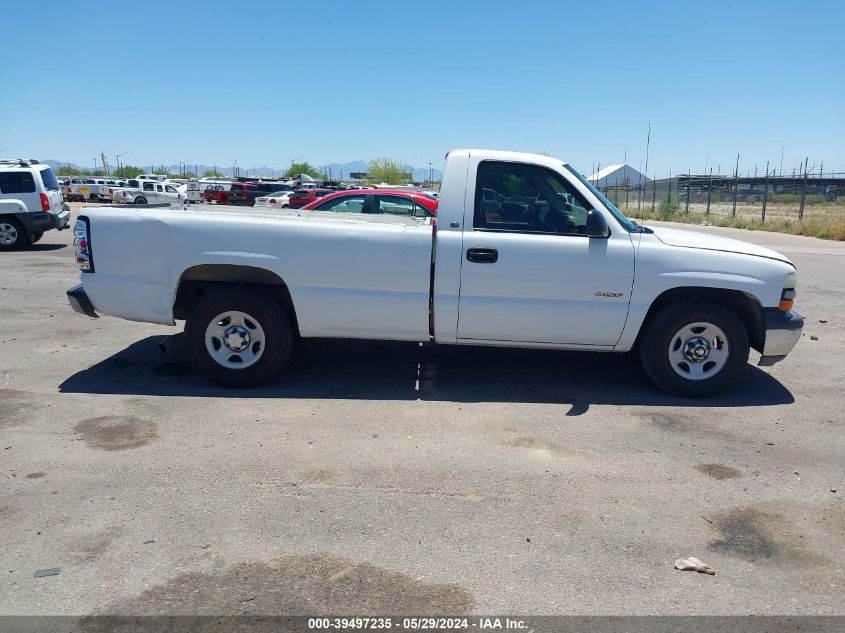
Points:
(597, 225)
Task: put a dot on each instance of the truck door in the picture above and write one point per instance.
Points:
(149, 189)
(529, 273)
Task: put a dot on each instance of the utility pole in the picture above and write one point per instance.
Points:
(709, 192)
(670, 188)
(803, 191)
(765, 194)
(736, 183)
(640, 190)
(689, 178)
(653, 191)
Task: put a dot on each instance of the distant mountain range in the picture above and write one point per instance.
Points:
(337, 171)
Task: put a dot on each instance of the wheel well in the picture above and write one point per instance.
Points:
(744, 306)
(198, 282)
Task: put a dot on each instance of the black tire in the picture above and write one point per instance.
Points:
(12, 235)
(34, 237)
(140, 200)
(272, 322)
(660, 361)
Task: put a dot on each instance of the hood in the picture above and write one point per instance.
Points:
(694, 239)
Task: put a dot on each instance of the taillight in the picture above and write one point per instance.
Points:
(45, 202)
(272, 201)
(82, 242)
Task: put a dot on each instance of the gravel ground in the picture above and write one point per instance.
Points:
(390, 478)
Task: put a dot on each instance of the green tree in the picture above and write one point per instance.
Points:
(127, 171)
(68, 171)
(388, 171)
(212, 173)
(301, 168)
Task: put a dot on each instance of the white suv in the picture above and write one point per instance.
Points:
(30, 203)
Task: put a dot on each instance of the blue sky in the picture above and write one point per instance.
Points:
(262, 81)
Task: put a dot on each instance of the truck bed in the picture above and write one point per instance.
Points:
(374, 271)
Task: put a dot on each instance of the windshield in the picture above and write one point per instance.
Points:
(620, 217)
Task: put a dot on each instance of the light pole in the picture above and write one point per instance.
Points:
(430, 171)
(117, 158)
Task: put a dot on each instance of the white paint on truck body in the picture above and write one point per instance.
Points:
(370, 276)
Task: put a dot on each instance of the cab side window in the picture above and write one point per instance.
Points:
(527, 199)
(148, 186)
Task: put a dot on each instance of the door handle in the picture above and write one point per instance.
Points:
(482, 255)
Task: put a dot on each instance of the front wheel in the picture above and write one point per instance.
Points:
(238, 339)
(694, 349)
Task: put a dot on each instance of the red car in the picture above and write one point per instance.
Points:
(238, 193)
(392, 201)
(303, 197)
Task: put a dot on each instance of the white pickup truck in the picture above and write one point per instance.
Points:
(546, 262)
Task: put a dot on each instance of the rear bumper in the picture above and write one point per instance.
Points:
(80, 302)
(783, 329)
(43, 221)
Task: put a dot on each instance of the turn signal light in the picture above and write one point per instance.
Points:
(787, 299)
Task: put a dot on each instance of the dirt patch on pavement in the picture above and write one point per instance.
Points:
(674, 422)
(37, 475)
(718, 471)
(753, 534)
(537, 444)
(298, 585)
(116, 433)
(15, 406)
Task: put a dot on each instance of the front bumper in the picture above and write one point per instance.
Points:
(782, 330)
(80, 302)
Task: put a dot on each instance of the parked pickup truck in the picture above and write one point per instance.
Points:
(147, 192)
(547, 262)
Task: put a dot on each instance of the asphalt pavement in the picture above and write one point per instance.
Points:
(393, 478)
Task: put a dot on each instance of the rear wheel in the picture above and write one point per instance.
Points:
(694, 349)
(140, 200)
(12, 234)
(34, 237)
(239, 339)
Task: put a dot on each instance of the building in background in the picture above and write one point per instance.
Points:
(623, 176)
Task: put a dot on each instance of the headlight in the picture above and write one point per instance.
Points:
(787, 295)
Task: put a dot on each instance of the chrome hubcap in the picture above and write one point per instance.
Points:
(698, 351)
(8, 234)
(235, 339)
